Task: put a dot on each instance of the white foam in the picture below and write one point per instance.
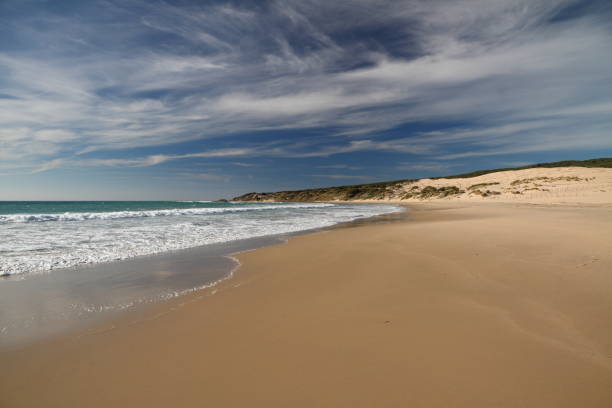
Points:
(36, 247)
(83, 216)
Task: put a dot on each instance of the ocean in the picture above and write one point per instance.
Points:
(62, 263)
(39, 237)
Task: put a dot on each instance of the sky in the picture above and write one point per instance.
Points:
(180, 100)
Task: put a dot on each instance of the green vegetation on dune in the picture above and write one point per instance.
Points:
(601, 162)
(386, 189)
(533, 180)
(372, 191)
(480, 185)
(432, 192)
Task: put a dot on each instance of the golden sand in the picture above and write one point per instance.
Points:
(462, 305)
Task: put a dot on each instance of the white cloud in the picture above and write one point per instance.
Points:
(435, 167)
(240, 164)
(339, 166)
(341, 176)
(55, 135)
(523, 83)
(302, 103)
(162, 158)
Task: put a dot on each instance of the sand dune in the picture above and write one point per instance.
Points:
(540, 185)
(557, 185)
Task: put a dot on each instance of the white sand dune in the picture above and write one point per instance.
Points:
(561, 185)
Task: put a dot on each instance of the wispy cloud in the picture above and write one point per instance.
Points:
(430, 167)
(196, 177)
(161, 158)
(241, 164)
(339, 166)
(506, 77)
(341, 176)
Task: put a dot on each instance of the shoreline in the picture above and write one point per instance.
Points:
(93, 294)
(444, 321)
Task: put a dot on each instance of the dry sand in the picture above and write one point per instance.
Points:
(561, 185)
(463, 305)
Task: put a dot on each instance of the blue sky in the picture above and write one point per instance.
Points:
(135, 99)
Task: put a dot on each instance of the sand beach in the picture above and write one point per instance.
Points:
(459, 304)
(306, 204)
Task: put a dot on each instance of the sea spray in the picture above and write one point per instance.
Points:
(41, 237)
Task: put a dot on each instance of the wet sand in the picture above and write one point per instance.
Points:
(462, 305)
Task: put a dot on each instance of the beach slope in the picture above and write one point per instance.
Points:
(461, 305)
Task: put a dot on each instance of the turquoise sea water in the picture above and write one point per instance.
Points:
(54, 207)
